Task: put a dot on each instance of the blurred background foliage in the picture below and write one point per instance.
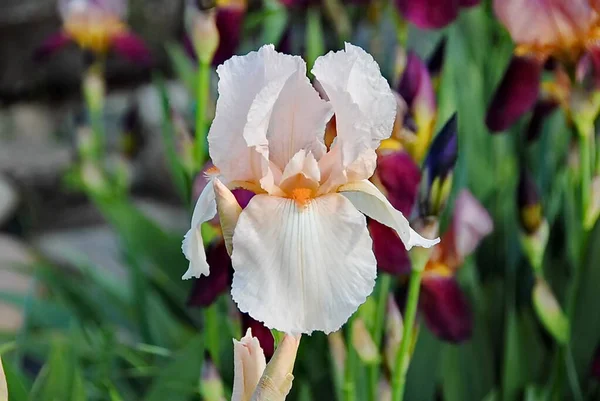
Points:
(92, 305)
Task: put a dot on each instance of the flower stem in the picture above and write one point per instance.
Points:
(403, 357)
(351, 360)
(202, 98)
(211, 322)
(382, 297)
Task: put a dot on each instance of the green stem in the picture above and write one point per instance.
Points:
(403, 357)
(93, 93)
(385, 283)
(585, 154)
(351, 361)
(202, 99)
(212, 336)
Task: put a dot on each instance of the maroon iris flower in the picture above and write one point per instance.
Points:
(96, 26)
(552, 36)
(432, 14)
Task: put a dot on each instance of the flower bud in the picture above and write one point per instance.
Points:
(549, 312)
(276, 382)
(363, 342)
(201, 22)
(436, 182)
(249, 365)
(393, 332)
(528, 203)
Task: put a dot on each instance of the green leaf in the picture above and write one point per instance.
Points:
(17, 383)
(275, 22)
(60, 378)
(179, 378)
(182, 65)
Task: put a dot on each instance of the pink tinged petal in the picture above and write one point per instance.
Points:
(416, 87)
(248, 366)
(545, 22)
(517, 93)
(369, 200)
(445, 308)
(249, 88)
(363, 103)
(264, 335)
(541, 111)
(229, 24)
(51, 45)
(192, 246)
(389, 250)
(207, 289)
(470, 224)
(301, 269)
(429, 14)
(131, 47)
(400, 177)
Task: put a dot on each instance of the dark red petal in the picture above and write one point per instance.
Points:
(243, 196)
(429, 14)
(51, 45)
(400, 177)
(594, 56)
(132, 48)
(469, 3)
(542, 109)
(229, 24)
(207, 289)
(445, 308)
(265, 338)
(389, 250)
(517, 93)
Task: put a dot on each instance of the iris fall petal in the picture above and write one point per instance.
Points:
(300, 270)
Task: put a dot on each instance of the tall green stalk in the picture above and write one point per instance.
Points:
(349, 389)
(382, 298)
(419, 257)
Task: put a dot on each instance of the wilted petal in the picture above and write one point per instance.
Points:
(545, 23)
(429, 14)
(445, 308)
(192, 246)
(264, 335)
(131, 47)
(229, 25)
(363, 103)
(389, 250)
(470, 224)
(292, 273)
(207, 289)
(51, 45)
(369, 200)
(516, 94)
(249, 365)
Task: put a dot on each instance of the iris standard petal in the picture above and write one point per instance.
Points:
(429, 14)
(545, 23)
(248, 366)
(301, 269)
(248, 90)
(517, 93)
(363, 103)
(445, 308)
(192, 246)
(369, 200)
